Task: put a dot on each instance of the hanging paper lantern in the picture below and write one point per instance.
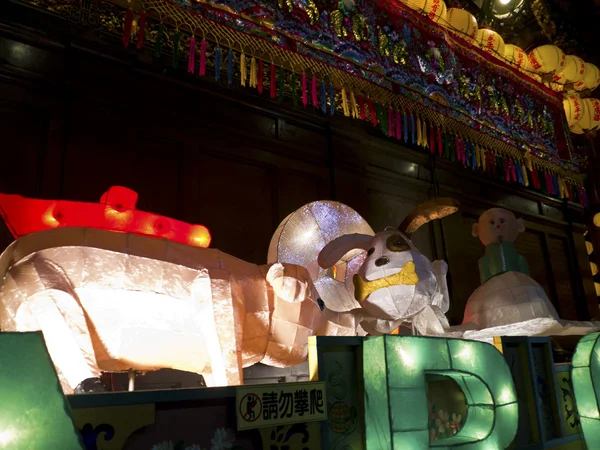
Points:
(576, 129)
(461, 22)
(418, 5)
(573, 109)
(490, 41)
(573, 72)
(589, 247)
(590, 80)
(438, 12)
(590, 119)
(547, 59)
(516, 57)
(594, 268)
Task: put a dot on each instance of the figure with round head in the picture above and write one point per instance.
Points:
(497, 229)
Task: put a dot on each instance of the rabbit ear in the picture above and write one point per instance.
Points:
(337, 248)
(437, 208)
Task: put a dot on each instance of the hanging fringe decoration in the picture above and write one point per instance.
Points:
(412, 129)
(243, 70)
(159, 41)
(525, 177)
(398, 126)
(372, 111)
(192, 56)
(229, 67)
(304, 92)
(217, 63)
(354, 106)
(176, 37)
(253, 73)
(363, 108)
(260, 76)
(439, 142)
(281, 83)
(331, 99)
(431, 140)
(345, 106)
(405, 125)
(127, 27)
(419, 130)
(202, 69)
(390, 121)
(141, 33)
(323, 98)
(272, 82)
(315, 101)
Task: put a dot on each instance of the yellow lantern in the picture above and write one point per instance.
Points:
(596, 220)
(594, 268)
(576, 129)
(418, 5)
(597, 286)
(591, 78)
(589, 247)
(573, 109)
(461, 22)
(436, 10)
(490, 41)
(516, 57)
(590, 118)
(573, 72)
(547, 59)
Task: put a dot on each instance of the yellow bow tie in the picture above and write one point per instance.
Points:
(363, 288)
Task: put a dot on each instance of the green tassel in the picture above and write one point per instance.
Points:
(176, 37)
(160, 37)
(281, 83)
(294, 89)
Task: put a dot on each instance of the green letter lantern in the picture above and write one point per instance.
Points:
(396, 412)
(586, 384)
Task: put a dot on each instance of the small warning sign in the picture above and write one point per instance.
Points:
(280, 404)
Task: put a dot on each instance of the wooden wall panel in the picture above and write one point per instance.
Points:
(561, 276)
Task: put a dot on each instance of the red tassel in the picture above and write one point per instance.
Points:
(260, 76)
(398, 126)
(273, 82)
(202, 70)
(141, 30)
(192, 55)
(373, 112)
(127, 27)
(315, 100)
(431, 140)
(514, 170)
(439, 142)
(304, 93)
(536, 179)
(363, 110)
(390, 122)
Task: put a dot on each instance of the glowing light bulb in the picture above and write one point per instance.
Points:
(505, 2)
(6, 436)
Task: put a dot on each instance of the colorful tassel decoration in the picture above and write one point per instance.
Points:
(524, 174)
(363, 109)
(405, 126)
(229, 67)
(439, 142)
(424, 134)
(315, 101)
(281, 92)
(390, 114)
(398, 126)
(141, 30)
(413, 130)
(272, 82)
(331, 99)
(483, 160)
(127, 27)
(159, 40)
(373, 112)
(260, 77)
(202, 69)
(243, 69)
(176, 37)
(304, 91)
(218, 63)
(419, 129)
(192, 56)
(345, 106)
(253, 73)
(354, 106)
(323, 98)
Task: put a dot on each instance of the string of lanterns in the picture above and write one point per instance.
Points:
(547, 64)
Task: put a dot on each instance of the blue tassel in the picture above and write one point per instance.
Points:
(323, 99)
(412, 128)
(405, 127)
(217, 64)
(230, 68)
(331, 99)
(519, 173)
(468, 157)
(556, 186)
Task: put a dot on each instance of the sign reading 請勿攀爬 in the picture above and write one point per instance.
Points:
(280, 404)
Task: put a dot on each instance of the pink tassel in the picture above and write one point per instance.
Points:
(304, 92)
(398, 126)
(192, 56)
(202, 70)
(141, 30)
(127, 27)
(439, 142)
(513, 170)
(390, 122)
(314, 93)
(506, 169)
